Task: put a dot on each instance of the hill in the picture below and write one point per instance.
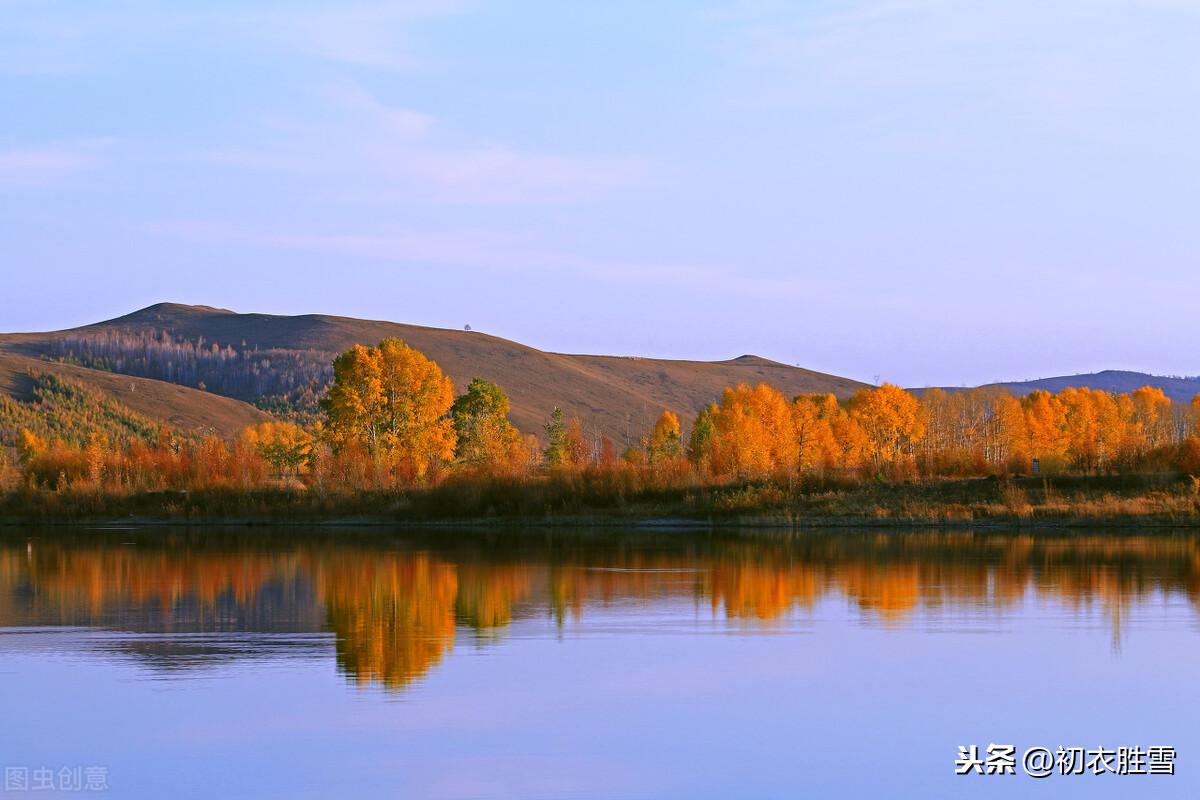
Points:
(1116, 381)
(178, 407)
(264, 358)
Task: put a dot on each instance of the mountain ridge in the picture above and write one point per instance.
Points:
(616, 395)
(1118, 381)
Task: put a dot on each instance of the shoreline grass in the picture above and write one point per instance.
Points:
(1163, 500)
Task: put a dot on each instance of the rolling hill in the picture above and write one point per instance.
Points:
(1115, 381)
(178, 407)
(204, 368)
(620, 396)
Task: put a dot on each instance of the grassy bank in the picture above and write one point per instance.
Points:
(1022, 502)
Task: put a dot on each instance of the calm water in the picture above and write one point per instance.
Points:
(681, 665)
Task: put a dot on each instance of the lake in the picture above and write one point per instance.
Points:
(156, 663)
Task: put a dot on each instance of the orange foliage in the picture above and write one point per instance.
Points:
(284, 445)
(753, 434)
(1046, 428)
(393, 616)
(396, 615)
(893, 421)
(393, 401)
(390, 422)
(817, 446)
(664, 443)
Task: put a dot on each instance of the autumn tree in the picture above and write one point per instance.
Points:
(943, 415)
(1152, 419)
(577, 449)
(892, 420)
(1046, 428)
(486, 438)
(608, 451)
(971, 431)
(284, 445)
(664, 443)
(701, 440)
(753, 434)
(851, 440)
(353, 405)
(1006, 436)
(1187, 456)
(813, 417)
(1094, 427)
(392, 400)
(30, 446)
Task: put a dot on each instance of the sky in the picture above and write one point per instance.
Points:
(916, 191)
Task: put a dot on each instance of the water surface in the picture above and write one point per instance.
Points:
(448, 664)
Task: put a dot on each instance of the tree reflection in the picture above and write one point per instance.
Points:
(395, 604)
(393, 615)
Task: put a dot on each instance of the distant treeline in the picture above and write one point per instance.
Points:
(390, 420)
(280, 380)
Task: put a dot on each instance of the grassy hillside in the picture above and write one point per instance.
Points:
(60, 409)
(177, 407)
(619, 396)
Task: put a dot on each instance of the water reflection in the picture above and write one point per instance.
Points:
(395, 604)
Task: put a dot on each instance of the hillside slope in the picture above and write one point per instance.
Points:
(619, 396)
(176, 406)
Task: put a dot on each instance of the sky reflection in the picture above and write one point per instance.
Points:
(458, 664)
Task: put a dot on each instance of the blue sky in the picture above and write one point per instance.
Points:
(927, 191)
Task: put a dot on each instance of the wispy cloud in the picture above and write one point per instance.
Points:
(49, 163)
(383, 151)
(505, 252)
(64, 37)
(319, 121)
(363, 34)
(995, 69)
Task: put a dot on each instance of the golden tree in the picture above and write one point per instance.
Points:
(664, 443)
(284, 445)
(30, 445)
(1152, 419)
(1094, 426)
(814, 417)
(1046, 428)
(753, 434)
(1007, 432)
(392, 400)
(892, 420)
(852, 445)
(353, 405)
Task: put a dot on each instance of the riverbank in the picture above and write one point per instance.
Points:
(1090, 501)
